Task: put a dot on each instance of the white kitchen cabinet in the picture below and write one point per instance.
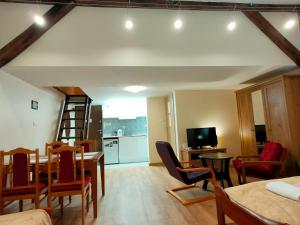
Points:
(133, 149)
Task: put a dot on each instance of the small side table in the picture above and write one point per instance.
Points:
(222, 171)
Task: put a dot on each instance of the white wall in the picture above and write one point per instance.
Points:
(21, 126)
(157, 125)
(209, 108)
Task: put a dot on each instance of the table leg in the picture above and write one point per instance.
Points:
(227, 173)
(94, 187)
(204, 186)
(102, 174)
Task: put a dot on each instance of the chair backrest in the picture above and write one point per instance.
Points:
(53, 145)
(63, 159)
(272, 152)
(235, 212)
(88, 145)
(170, 160)
(18, 169)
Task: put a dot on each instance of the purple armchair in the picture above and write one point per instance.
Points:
(188, 176)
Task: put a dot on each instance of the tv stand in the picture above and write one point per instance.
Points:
(192, 155)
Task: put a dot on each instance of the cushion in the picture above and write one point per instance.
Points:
(66, 167)
(86, 147)
(260, 171)
(74, 187)
(271, 152)
(10, 192)
(196, 176)
(20, 169)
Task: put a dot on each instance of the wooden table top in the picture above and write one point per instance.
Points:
(216, 156)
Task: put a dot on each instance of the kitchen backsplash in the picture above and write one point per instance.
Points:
(129, 127)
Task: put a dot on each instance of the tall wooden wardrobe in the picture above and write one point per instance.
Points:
(281, 109)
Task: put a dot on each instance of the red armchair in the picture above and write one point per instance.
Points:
(265, 166)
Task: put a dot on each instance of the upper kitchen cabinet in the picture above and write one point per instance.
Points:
(271, 111)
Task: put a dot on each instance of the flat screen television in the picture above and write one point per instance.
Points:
(260, 133)
(199, 137)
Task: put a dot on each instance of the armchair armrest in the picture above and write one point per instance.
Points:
(185, 162)
(193, 169)
(213, 177)
(275, 163)
(247, 157)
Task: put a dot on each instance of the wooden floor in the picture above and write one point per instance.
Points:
(136, 196)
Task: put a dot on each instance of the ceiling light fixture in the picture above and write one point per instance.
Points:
(289, 24)
(178, 24)
(39, 20)
(231, 26)
(135, 89)
(129, 24)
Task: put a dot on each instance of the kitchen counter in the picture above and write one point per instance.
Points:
(125, 136)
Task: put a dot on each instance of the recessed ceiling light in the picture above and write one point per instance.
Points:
(129, 24)
(178, 24)
(135, 89)
(39, 20)
(289, 24)
(231, 26)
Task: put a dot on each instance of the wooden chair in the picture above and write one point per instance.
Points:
(63, 160)
(189, 176)
(88, 145)
(21, 184)
(239, 215)
(265, 166)
(54, 145)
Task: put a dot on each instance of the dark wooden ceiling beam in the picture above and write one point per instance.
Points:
(299, 19)
(32, 33)
(168, 4)
(271, 32)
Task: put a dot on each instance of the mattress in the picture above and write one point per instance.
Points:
(31, 217)
(255, 197)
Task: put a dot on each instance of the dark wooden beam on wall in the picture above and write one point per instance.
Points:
(169, 4)
(278, 39)
(32, 33)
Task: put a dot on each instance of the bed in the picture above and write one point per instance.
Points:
(31, 217)
(254, 197)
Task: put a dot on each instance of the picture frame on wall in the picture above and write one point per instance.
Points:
(34, 105)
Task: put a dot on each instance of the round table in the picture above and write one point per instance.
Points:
(222, 170)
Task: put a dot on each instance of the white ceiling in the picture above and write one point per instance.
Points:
(91, 48)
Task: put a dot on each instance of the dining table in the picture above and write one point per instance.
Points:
(91, 161)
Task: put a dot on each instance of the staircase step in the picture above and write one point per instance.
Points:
(71, 128)
(74, 102)
(75, 137)
(72, 119)
(74, 110)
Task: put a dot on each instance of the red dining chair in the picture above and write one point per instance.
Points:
(265, 166)
(21, 184)
(88, 145)
(63, 160)
(54, 145)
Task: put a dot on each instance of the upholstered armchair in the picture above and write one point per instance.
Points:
(265, 166)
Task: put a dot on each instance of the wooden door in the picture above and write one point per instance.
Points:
(276, 114)
(246, 121)
(95, 129)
